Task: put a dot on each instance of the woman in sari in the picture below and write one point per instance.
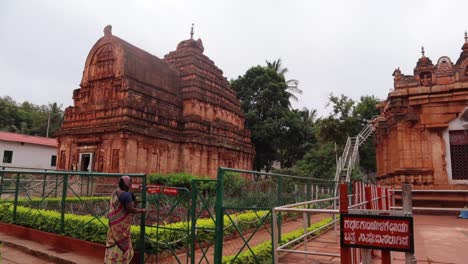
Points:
(119, 248)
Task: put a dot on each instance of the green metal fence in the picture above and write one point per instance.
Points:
(167, 228)
(245, 200)
(203, 223)
(228, 217)
(70, 203)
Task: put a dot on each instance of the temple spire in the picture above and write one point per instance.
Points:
(191, 31)
(466, 36)
(422, 50)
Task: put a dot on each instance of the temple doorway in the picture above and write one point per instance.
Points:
(86, 161)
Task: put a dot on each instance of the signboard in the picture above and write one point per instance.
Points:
(161, 189)
(136, 186)
(155, 189)
(393, 233)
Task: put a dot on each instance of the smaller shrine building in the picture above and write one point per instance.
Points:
(422, 130)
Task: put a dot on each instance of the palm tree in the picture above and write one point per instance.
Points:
(292, 83)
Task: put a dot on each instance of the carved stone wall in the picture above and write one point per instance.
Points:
(410, 144)
(135, 112)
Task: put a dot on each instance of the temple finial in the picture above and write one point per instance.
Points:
(191, 31)
(422, 50)
(108, 30)
(466, 36)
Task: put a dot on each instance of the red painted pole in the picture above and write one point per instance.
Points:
(386, 259)
(345, 252)
(389, 198)
(380, 201)
(368, 194)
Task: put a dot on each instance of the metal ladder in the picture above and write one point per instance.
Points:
(348, 159)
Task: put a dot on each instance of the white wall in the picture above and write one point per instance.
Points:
(28, 155)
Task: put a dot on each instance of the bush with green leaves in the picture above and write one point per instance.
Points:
(262, 252)
(94, 229)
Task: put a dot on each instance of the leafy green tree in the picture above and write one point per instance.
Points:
(319, 162)
(262, 92)
(346, 119)
(365, 111)
(279, 133)
(298, 138)
(292, 84)
(28, 118)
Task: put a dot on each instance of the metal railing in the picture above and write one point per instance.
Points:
(260, 192)
(421, 208)
(304, 238)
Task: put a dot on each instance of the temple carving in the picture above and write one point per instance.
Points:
(135, 112)
(422, 130)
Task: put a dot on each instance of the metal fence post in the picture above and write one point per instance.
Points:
(193, 226)
(275, 236)
(2, 176)
(219, 225)
(44, 185)
(63, 202)
(141, 243)
(56, 185)
(345, 252)
(16, 197)
(278, 201)
(309, 198)
(408, 211)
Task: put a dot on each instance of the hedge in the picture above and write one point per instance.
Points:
(86, 227)
(56, 201)
(263, 251)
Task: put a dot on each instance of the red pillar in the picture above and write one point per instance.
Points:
(368, 193)
(380, 201)
(386, 259)
(345, 252)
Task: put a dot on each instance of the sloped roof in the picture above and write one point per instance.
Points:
(43, 141)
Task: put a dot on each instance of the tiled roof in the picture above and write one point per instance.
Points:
(8, 136)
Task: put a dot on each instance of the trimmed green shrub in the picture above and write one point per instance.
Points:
(94, 229)
(263, 251)
(35, 202)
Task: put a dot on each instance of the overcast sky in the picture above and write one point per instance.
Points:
(341, 47)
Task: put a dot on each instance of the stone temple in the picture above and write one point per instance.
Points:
(422, 131)
(135, 113)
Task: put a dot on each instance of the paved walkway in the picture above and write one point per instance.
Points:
(17, 250)
(438, 240)
(232, 247)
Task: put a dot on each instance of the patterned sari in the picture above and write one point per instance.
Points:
(119, 248)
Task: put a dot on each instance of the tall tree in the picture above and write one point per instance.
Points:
(293, 84)
(279, 133)
(263, 96)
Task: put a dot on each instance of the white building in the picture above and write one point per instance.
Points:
(24, 151)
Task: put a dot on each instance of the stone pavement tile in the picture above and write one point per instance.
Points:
(12, 255)
(30, 249)
(438, 240)
(299, 258)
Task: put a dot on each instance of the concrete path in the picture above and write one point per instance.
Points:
(438, 240)
(17, 250)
